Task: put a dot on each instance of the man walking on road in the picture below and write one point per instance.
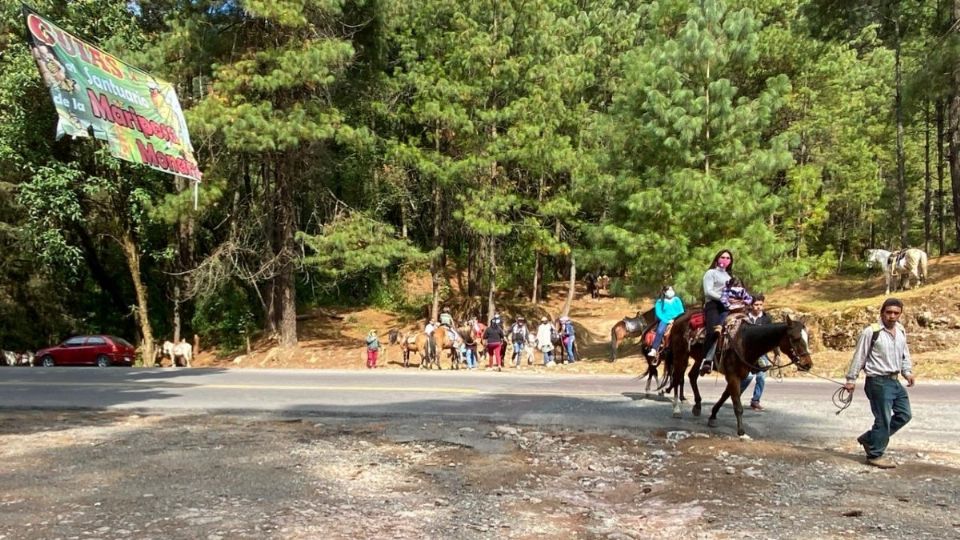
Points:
(883, 355)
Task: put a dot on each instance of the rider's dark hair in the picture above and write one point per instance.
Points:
(716, 258)
(759, 297)
(891, 302)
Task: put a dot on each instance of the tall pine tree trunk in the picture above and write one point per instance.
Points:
(940, 162)
(927, 196)
(473, 271)
(286, 280)
(901, 159)
(573, 285)
(537, 270)
(436, 265)
(491, 297)
(954, 135)
(131, 253)
(185, 261)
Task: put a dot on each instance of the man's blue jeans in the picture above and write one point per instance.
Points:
(891, 411)
(761, 378)
(517, 352)
(470, 357)
(571, 358)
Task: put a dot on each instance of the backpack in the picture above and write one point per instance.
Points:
(876, 334)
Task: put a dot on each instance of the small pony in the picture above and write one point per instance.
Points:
(178, 353)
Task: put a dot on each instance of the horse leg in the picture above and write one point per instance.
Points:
(614, 342)
(712, 421)
(733, 388)
(677, 389)
(694, 375)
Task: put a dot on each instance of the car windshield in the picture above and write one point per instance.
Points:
(121, 341)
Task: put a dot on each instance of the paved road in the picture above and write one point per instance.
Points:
(798, 410)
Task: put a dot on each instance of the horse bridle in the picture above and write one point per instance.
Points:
(792, 353)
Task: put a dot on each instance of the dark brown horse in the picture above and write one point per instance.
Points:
(750, 343)
(685, 344)
(637, 326)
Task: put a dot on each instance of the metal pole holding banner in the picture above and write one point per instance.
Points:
(196, 193)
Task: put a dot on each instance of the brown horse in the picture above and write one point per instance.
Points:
(450, 341)
(417, 342)
(430, 352)
(638, 326)
(685, 343)
(750, 343)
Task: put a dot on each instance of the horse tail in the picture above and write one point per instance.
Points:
(922, 267)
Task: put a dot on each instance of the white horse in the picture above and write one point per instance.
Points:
(880, 258)
(177, 351)
(906, 264)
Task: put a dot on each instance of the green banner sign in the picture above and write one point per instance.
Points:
(137, 114)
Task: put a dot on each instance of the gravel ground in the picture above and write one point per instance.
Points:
(116, 475)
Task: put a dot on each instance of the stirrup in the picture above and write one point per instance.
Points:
(706, 368)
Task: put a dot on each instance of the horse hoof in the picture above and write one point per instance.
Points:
(712, 422)
(677, 415)
(745, 437)
(696, 410)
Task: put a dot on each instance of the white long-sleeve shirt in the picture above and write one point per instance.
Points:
(713, 283)
(887, 356)
(544, 335)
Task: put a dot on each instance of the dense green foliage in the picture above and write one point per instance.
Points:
(346, 143)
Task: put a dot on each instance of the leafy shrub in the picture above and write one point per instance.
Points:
(224, 316)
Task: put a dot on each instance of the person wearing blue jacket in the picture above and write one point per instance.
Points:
(667, 308)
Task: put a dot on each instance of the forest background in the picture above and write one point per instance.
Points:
(346, 144)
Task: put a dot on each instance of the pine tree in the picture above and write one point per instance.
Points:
(690, 150)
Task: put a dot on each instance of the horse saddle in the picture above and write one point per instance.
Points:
(651, 333)
(452, 336)
(411, 339)
(632, 324)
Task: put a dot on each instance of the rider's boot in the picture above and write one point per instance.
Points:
(707, 366)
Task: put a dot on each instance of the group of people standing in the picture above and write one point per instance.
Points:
(498, 339)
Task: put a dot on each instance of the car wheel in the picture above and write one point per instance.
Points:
(47, 361)
(103, 361)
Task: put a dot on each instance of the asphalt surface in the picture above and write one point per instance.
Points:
(797, 409)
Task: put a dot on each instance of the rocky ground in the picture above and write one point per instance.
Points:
(117, 475)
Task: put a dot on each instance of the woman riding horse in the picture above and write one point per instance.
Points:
(714, 280)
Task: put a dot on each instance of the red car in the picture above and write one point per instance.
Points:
(101, 351)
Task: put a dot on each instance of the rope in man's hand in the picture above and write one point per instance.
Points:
(842, 398)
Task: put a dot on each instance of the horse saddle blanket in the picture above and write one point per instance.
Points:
(632, 324)
(651, 334)
(411, 339)
(697, 320)
(452, 336)
(732, 325)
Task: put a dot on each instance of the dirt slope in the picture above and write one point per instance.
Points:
(835, 310)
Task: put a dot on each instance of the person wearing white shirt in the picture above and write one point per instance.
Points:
(882, 354)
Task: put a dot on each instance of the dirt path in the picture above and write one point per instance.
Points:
(113, 475)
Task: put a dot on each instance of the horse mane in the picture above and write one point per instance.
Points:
(759, 339)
